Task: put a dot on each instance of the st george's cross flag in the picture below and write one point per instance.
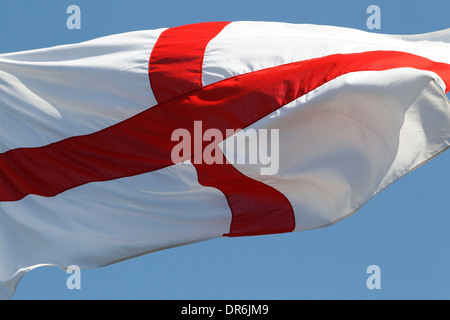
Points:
(119, 146)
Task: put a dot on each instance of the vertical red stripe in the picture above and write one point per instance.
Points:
(176, 68)
(256, 207)
(176, 60)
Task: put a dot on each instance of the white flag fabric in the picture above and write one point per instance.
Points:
(87, 173)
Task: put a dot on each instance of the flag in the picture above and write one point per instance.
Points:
(142, 141)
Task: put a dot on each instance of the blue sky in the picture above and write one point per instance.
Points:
(404, 230)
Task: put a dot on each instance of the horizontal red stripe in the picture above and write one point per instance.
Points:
(256, 207)
(142, 143)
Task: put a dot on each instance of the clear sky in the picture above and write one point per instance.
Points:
(405, 230)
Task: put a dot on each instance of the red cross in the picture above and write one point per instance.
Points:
(176, 69)
(143, 143)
